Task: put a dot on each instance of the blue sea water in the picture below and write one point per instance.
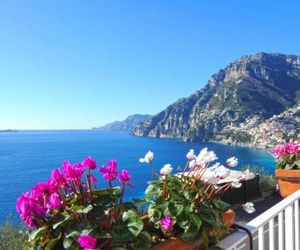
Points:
(27, 157)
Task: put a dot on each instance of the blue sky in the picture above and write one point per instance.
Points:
(77, 64)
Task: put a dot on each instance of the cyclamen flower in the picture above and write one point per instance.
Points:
(247, 175)
(221, 172)
(205, 157)
(29, 207)
(148, 157)
(57, 180)
(191, 155)
(249, 207)
(54, 201)
(89, 162)
(87, 242)
(236, 184)
(124, 176)
(109, 172)
(287, 148)
(167, 169)
(73, 172)
(167, 223)
(232, 162)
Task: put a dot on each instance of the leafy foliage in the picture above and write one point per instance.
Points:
(195, 212)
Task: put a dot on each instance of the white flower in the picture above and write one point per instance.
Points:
(148, 157)
(191, 155)
(249, 207)
(236, 184)
(192, 164)
(167, 169)
(247, 175)
(205, 157)
(232, 162)
(222, 172)
(210, 178)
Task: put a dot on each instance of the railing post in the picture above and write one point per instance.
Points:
(297, 234)
(271, 234)
(280, 231)
(289, 228)
(261, 241)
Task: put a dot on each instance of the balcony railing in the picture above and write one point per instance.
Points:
(276, 228)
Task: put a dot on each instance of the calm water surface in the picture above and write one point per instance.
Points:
(28, 157)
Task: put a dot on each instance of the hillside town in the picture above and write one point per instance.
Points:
(266, 134)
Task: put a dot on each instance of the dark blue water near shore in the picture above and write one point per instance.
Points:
(27, 157)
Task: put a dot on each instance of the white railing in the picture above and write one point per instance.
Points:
(276, 228)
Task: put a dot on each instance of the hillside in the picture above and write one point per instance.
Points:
(126, 125)
(256, 87)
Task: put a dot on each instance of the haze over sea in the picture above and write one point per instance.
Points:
(27, 157)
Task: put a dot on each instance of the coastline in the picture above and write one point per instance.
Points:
(249, 146)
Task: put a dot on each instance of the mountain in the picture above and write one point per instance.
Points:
(255, 87)
(126, 125)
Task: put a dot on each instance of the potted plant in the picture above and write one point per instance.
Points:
(287, 167)
(69, 212)
(185, 210)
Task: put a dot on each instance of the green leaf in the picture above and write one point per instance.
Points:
(106, 191)
(67, 242)
(52, 243)
(182, 220)
(61, 223)
(128, 228)
(138, 201)
(143, 241)
(191, 233)
(82, 209)
(38, 233)
(73, 234)
(196, 220)
(175, 209)
(154, 213)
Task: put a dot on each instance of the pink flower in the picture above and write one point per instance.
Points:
(54, 201)
(124, 176)
(57, 180)
(167, 223)
(89, 162)
(87, 242)
(29, 207)
(109, 172)
(287, 148)
(73, 172)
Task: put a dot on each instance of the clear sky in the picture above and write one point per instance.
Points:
(77, 64)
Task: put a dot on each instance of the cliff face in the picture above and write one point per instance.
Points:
(260, 86)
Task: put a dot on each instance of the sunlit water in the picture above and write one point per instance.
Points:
(28, 157)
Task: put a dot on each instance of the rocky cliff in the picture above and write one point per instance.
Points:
(255, 87)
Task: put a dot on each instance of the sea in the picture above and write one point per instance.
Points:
(28, 157)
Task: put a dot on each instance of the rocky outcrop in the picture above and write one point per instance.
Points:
(260, 86)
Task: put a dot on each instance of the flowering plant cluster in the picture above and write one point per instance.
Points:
(287, 155)
(69, 212)
(188, 203)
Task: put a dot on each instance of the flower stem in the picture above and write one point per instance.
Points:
(153, 170)
(122, 194)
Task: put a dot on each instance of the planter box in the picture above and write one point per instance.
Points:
(177, 243)
(249, 190)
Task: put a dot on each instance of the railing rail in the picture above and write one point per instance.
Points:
(276, 228)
